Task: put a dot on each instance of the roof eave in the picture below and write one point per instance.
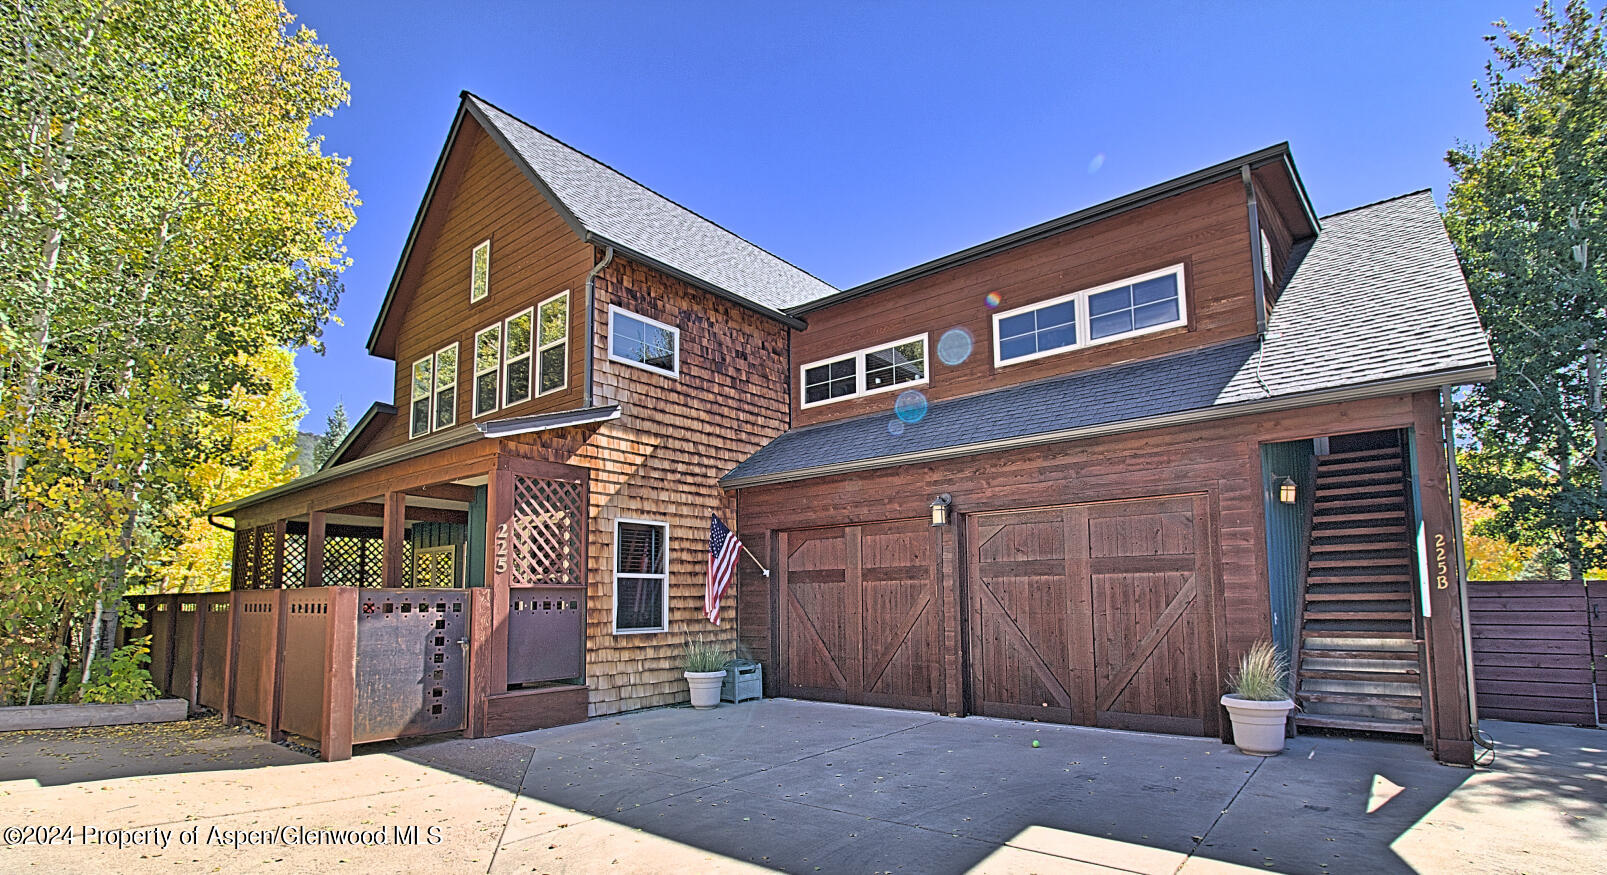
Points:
(1132, 201)
(1434, 380)
(378, 408)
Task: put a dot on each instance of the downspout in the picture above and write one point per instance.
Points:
(1448, 436)
(591, 318)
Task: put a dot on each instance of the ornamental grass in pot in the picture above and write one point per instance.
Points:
(1259, 703)
(704, 669)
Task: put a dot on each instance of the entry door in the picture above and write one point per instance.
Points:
(858, 614)
(1097, 614)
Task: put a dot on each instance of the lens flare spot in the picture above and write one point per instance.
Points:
(993, 300)
(1096, 162)
(910, 406)
(895, 427)
(954, 346)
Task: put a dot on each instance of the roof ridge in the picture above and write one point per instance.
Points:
(1380, 202)
(627, 177)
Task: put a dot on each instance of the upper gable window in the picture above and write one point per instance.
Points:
(643, 342)
(552, 343)
(1138, 305)
(487, 366)
(866, 372)
(480, 272)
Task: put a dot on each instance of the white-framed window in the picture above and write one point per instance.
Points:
(480, 271)
(867, 371)
(446, 386)
(418, 414)
(1137, 305)
(487, 367)
(641, 576)
(552, 343)
(644, 343)
(516, 357)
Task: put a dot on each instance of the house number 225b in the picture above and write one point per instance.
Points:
(502, 548)
(1442, 570)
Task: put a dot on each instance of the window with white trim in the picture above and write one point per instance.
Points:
(1137, 305)
(1266, 260)
(516, 358)
(865, 372)
(480, 271)
(641, 576)
(446, 386)
(487, 366)
(419, 410)
(552, 343)
(643, 342)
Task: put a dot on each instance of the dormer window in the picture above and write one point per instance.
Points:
(480, 272)
(1138, 305)
(1266, 261)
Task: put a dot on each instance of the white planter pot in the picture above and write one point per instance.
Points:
(1258, 727)
(705, 686)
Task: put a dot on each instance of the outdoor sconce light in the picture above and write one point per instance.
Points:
(1286, 491)
(940, 509)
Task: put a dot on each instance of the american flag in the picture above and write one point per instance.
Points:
(723, 549)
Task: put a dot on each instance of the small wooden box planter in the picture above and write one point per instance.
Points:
(744, 680)
(20, 717)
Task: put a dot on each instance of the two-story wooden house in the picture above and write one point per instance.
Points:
(1069, 474)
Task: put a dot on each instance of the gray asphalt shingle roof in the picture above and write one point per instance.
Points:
(1378, 297)
(621, 211)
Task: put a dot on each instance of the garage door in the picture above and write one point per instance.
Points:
(1097, 614)
(858, 614)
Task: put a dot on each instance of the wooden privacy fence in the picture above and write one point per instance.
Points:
(1537, 648)
(334, 665)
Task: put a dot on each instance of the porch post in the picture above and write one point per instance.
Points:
(277, 581)
(1447, 666)
(338, 719)
(499, 507)
(395, 526)
(315, 549)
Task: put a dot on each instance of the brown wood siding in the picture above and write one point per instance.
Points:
(1220, 460)
(1204, 229)
(661, 461)
(534, 255)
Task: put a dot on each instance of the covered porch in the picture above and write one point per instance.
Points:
(445, 592)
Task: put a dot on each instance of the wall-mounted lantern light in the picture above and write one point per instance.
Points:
(940, 509)
(1286, 491)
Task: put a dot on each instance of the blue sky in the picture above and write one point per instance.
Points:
(858, 139)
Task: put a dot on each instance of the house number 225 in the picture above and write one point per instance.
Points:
(502, 548)
(1442, 570)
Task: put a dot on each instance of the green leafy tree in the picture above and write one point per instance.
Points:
(335, 428)
(1528, 213)
(166, 220)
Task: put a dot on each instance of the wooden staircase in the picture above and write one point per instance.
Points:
(1359, 666)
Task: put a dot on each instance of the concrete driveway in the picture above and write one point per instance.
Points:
(806, 787)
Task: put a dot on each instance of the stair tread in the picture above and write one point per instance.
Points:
(1380, 634)
(1344, 478)
(1358, 490)
(1334, 697)
(1359, 545)
(1359, 578)
(1389, 464)
(1364, 724)
(1395, 655)
(1392, 504)
(1379, 676)
(1386, 452)
(1359, 615)
(1358, 596)
(1353, 531)
(1370, 564)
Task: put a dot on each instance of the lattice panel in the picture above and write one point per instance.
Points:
(267, 546)
(295, 561)
(246, 553)
(343, 562)
(544, 533)
(435, 568)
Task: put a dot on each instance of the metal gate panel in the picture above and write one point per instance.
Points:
(546, 625)
(412, 661)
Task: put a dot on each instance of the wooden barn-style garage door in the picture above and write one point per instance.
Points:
(1098, 614)
(858, 615)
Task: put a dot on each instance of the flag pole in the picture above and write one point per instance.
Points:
(755, 559)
